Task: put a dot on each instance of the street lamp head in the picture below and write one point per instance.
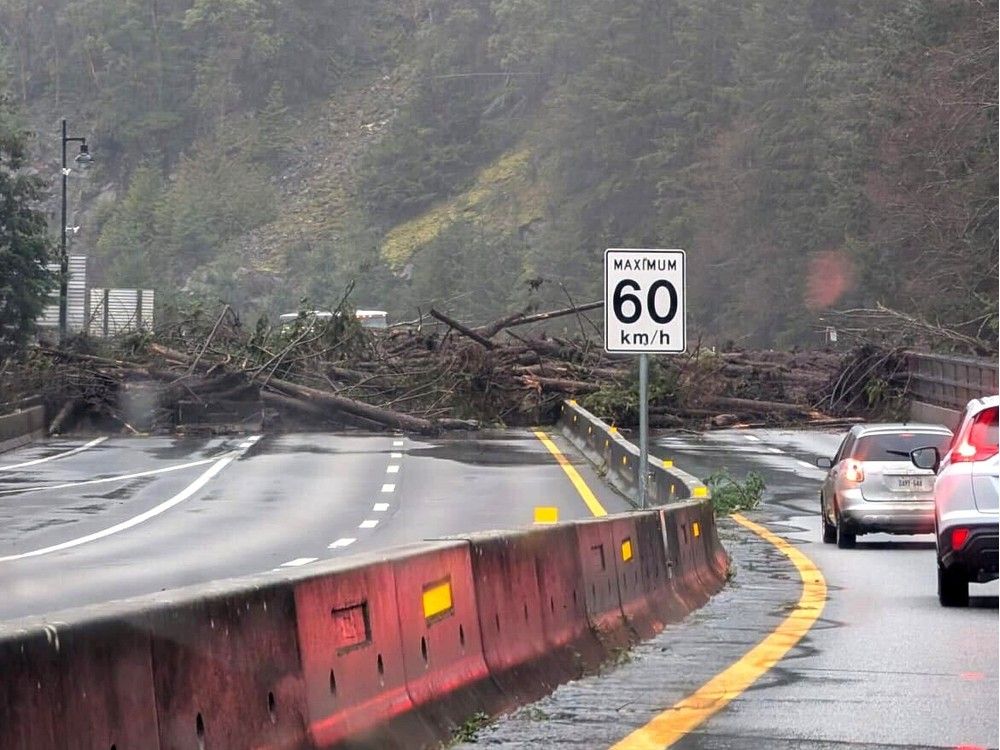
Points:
(84, 158)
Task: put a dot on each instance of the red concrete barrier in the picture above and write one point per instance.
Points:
(226, 670)
(352, 656)
(599, 565)
(446, 673)
(86, 685)
(561, 588)
(634, 587)
(504, 569)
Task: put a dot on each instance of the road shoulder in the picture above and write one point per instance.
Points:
(600, 710)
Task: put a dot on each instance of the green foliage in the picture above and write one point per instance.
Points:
(619, 404)
(730, 495)
(24, 239)
(470, 728)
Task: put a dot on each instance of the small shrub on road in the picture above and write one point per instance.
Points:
(730, 495)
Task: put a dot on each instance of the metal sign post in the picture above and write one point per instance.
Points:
(643, 427)
(645, 313)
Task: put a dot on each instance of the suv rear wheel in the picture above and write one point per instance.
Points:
(953, 587)
(829, 530)
(845, 537)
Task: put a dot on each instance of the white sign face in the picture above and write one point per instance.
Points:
(644, 301)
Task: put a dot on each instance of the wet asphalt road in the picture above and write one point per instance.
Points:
(130, 516)
(884, 667)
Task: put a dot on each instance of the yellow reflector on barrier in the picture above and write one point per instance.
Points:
(627, 550)
(700, 491)
(546, 514)
(624, 460)
(695, 528)
(437, 599)
(613, 430)
(571, 402)
(668, 464)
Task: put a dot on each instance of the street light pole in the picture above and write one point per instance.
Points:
(83, 157)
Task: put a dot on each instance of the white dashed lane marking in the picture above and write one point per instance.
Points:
(397, 443)
(754, 438)
(380, 507)
(388, 488)
(370, 523)
(299, 561)
(392, 469)
(342, 542)
(395, 455)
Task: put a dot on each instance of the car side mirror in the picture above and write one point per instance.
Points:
(926, 458)
(824, 463)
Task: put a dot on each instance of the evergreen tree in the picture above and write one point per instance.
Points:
(24, 240)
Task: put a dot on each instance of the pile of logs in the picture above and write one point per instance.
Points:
(432, 374)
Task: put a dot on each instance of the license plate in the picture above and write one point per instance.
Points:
(911, 484)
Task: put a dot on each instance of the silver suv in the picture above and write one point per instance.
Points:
(965, 502)
(872, 485)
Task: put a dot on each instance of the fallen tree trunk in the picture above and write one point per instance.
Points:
(468, 332)
(384, 417)
(492, 329)
(756, 407)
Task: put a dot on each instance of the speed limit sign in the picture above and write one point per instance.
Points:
(644, 301)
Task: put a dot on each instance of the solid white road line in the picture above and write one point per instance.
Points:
(78, 449)
(388, 488)
(343, 542)
(180, 497)
(298, 561)
(368, 524)
(118, 478)
(392, 469)
(380, 507)
(395, 455)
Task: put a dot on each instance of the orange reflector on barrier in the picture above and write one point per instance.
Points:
(695, 528)
(437, 599)
(627, 550)
(700, 491)
(546, 514)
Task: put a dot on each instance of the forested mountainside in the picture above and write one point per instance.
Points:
(480, 155)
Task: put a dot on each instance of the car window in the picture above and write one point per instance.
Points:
(845, 448)
(897, 446)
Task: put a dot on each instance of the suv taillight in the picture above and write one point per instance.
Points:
(853, 471)
(980, 442)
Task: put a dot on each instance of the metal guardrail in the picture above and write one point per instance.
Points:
(950, 382)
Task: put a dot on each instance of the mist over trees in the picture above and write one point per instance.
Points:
(481, 154)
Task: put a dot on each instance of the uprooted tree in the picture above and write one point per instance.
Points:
(432, 374)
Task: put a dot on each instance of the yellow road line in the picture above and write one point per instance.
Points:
(671, 725)
(574, 476)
